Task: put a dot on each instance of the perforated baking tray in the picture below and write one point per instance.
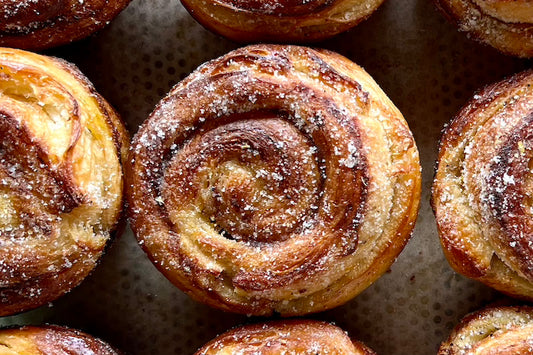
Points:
(425, 66)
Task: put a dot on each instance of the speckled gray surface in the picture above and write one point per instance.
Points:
(425, 66)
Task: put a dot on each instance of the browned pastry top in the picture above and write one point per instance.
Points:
(277, 7)
(274, 179)
(280, 20)
(513, 11)
(37, 24)
(507, 25)
(492, 331)
(61, 185)
(287, 337)
(483, 189)
(50, 340)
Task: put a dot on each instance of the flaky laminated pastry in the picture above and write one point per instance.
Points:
(285, 337)
(506, 25)
(492, 331)
(280, 20)
(50, 340)
(38, 24)
(61, 147)
(482, 193)
(274, 179)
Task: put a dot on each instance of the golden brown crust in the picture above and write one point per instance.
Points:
(274, 179)
(280, 20)
(492, 331)
(482, 188)
(39, 24)
(61, 148)
(506, 25)
(51, 340)
(285, 337)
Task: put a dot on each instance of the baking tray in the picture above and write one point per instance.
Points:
(427, 68)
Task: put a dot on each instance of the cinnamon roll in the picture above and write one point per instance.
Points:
(51, 340)
(280, 21)
(286, 337)
(274, 179)
(482, 193)
(506, 25)
(492, 331)
(38, 24)
(61, 147)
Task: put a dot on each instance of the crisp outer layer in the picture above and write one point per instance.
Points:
(483, 187)
(50, 340)
(506, 25)
(38, 24)
(61, 147)
(287, 337)
(274, 179)
(492, 331)
(280, 21)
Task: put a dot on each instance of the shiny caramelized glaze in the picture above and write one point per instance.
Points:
(280, 20)
(507, 25)
(274, 179)
(492, 331)
(50, 340)
(482, 194)
(61, 147)
(37, 24)
(287, 337)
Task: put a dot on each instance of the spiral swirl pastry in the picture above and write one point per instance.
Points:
(280, 20)
(274, 179)
(38, 24)
(482, 193)
(285, 337)
(61, 147)
(492, 331)
(506, 25)
(51, 340)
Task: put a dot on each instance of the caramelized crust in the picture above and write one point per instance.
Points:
(280, 20)
(61, 147)
(274, 179)
(482, 193)
(50, 340)
(287, 337)
(38, 24)
(506, 25)
(492, 331)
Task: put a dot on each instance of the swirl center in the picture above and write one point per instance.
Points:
(253, 180)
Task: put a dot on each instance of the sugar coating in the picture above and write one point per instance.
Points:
(280, 174)
(60, 179)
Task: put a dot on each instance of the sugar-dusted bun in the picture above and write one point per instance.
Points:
(482, 193)
(61, 147)
(506, 25)
(50, 340)
(38, 24)
(280, 20)
(274, 179)
(285, 337)
(492, 331)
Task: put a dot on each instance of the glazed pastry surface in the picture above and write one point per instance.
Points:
(50, 340)
(506, 25)
(288, 337)
(492, 331)
(280, 20)
(61, 147)
(38, 24)
(274, 179)
(482, 193)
